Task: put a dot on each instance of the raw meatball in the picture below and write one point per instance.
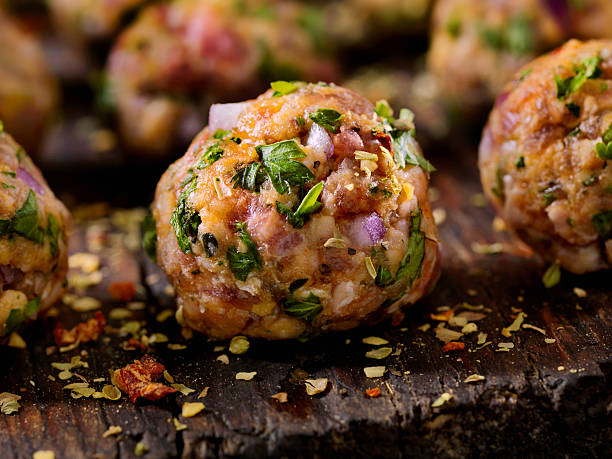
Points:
(34, 226)
(178, 57)
(545, 152)
(300, 211)
(28, 93)
(477, 45)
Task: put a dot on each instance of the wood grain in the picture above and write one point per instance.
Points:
(538, 399)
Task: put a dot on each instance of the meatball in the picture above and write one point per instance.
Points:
(90, 19)
(177, 57)
(478, 45)
(304, 210)
(544, 155)
(28, 92)
(34, 227)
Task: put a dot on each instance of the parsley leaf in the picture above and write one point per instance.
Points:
(573, 108)
(307, 309)
(25, 222)
(212, 154)
(410, 266)
(405, 151)
(282, 88)
(210, 244)
(53, 231)
(277, 160)
(327, 118)
(603, 223)
(384, 110)
(296, 284)
(17, 316)
(242, 263)
(383, 276)
(10, 173)
(308, 206)
(520, 162)
(249, 177)
(220, 134)
(516, 37)
(588, 69)
(1, 127)
(604, 149)
(184, 220)
(149, 237)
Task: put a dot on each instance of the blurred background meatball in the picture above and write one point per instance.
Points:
(34, 228)
(545, 152)
(28, 92)
(301, 211)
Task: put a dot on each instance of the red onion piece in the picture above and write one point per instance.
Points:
(320, 141)
(366, 230)
(225, 116)
(9, 275)
(502, 98)
(30, 181)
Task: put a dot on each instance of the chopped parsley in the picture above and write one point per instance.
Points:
(516, 37)
(10, 173)
(590, 180)
(211, 154)
(383, 276)
(296, 284)
(574, 132)
(220, 134)
(603, 149)
(242, 263)
(149, 237)
(300, 121)
(6, 185)
(603, 223)
(17, 316)
(525, 74)
(588, 69)
(278, 162)
(520, 162)
(327, 118)
(406, 151)
(307, 309)
(210, 244)
(453, 27)
(53, 232)
(25, 222)
(282, 88)
(249, 177)
(552, 276)
(410, 265)
(573, 108)
(1, 127)
(308, 206)
(498, 189)
(548, 198)
(185, 220)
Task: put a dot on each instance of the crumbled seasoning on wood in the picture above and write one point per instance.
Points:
(138, 380)
(315, 386)
(82, 333)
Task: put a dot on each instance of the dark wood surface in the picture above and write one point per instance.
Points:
(538, 399)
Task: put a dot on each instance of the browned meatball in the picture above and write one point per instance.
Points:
(28, 93)
(34, 227)
(302, 210)
(177, 57)
(545, 153)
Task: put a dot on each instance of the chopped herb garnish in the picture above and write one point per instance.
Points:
(548, 198)
(308, 206)
(525, 74)
(184, 220)
(149, 237)
(25, 222)
(573, 108)
(220, 134)
(327, 118)
(406, 152)
(520, 162)
(603, 149)
(410, 266)
(211, 154)
(383, 276)
(453, 27)
(603, 223)
(588, 69)
(516, 37)
(7, 186)
(53, 231)
(242, 263)
(590, 180)
(384, 110)
(574, 132)
(307, 309)
(282, 88)
(17, 316)
(249, 177)
(1, 127)
(552, 276)
(278, 162)
(498, 190)
(300, 121)
(210, 244)
(10, 173)
(296, 284)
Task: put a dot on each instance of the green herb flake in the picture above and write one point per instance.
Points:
(10, 173)
(213, 153)
(278, 162)
(7, 186)
(242, 263)
(383, 276)
(300, 121)
(53, 232)
(406, 151)
(25, 222)
(384, 110)
(603, 223)
(249, 177)
(17, 316)
(282, 88)
(308, 206)
(590, 180)
(574, 132)
(210, 244)
(552, 276)
(410, 265)
(588, 69)
(149, 237)
(306, 309)
(327, 118)
(520, 162)
(603, 149)
(453, 26)
(220, 134)
(525, 74)
(573, 108)
(184, 220)
(296, 284)
(1, 127)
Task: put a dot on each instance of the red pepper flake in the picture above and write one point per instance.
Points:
(132, 344)
(384, 139)
(397, 318)
(453, 346)
(443, 316)
(138, 380)
(122, 291)
(83, 332)
(373, 393)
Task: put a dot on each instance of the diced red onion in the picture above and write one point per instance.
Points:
(9, 275)
(225, 116)
(320, 141)
(30, 181)
(367, 230)
(502, 98)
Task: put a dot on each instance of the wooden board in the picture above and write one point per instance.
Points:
(538, 399)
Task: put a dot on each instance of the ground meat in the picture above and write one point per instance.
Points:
(543, 157)
(34, 227)
(276, 271)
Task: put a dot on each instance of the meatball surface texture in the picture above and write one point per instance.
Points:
(34, 227)
(304, 210)
(545, 154)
